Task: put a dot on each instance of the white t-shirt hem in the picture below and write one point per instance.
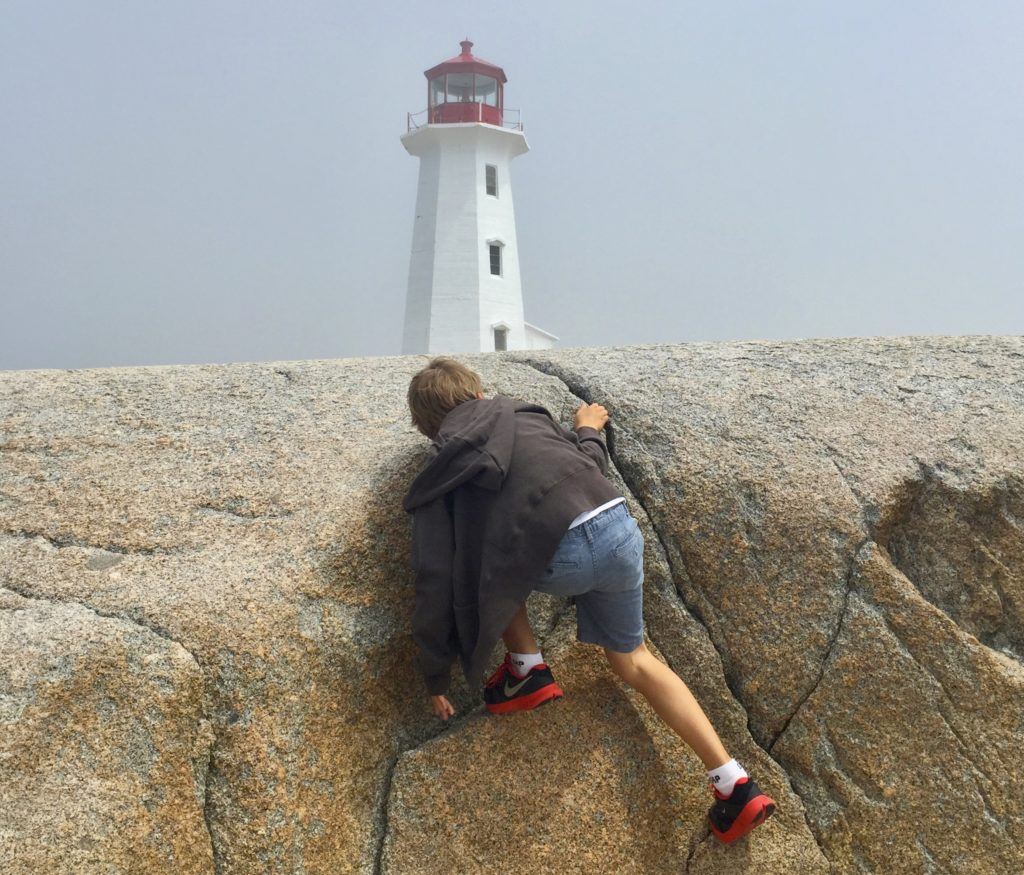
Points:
(587, 514)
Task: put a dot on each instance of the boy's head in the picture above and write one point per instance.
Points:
(442, 385)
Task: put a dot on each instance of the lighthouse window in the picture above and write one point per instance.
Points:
(500, 338)
(486, 90)
(495, 249)
(460, 87)
(437, 91)
(492, 180)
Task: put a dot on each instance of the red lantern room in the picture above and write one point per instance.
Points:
(465, 89)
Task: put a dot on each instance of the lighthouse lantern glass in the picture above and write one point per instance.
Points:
(486, 90)
(437, 91)
(460, 88)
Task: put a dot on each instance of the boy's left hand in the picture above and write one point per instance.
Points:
(442, 707)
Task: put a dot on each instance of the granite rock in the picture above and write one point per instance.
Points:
(846, 519)
(834, 566)
(104, 748)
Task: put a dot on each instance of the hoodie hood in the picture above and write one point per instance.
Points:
(473, 445)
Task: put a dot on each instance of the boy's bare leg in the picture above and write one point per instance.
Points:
(518, 637)
(672, 700)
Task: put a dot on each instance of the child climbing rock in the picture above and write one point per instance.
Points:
(509, 502)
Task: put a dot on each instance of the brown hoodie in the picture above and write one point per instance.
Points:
(501, 484)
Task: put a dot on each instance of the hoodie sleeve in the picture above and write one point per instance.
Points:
(433, 621)
(589, 441)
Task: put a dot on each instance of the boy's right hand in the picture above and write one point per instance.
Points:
(592, 415)
(442, 707)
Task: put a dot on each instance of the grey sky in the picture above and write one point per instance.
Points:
(223, 181)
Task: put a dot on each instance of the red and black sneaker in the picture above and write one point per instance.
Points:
(505, 691)
(735, 815)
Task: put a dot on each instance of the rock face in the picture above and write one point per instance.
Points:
(105, 747)
(207, 661)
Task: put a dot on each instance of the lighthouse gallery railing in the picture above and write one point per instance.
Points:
(416, 120)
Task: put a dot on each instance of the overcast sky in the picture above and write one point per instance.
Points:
(223, 181)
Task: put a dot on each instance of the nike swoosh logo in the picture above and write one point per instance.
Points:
(511, 691)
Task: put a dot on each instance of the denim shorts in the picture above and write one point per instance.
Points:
(600, 564)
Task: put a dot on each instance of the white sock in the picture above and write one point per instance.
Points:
(523, 662)
(724, 777)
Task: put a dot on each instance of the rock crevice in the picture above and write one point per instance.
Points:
(634, 488)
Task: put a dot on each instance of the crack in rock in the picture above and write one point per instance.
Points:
(242, 513)
(697, 613)
(381, 819)
(584, 394)
(865, 545)
(62, 543)
(453, 725)
(207, 804)
(110, 615)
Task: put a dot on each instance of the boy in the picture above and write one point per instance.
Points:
(510, 501)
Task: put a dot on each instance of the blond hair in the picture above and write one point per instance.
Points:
(439, 387)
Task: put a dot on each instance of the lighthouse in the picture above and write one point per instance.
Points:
(464, 292)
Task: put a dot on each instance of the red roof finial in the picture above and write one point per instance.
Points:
(466, 61)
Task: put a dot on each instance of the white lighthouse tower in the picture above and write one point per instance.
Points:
(464, 290)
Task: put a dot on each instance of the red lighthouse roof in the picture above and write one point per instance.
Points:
(467, 62)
